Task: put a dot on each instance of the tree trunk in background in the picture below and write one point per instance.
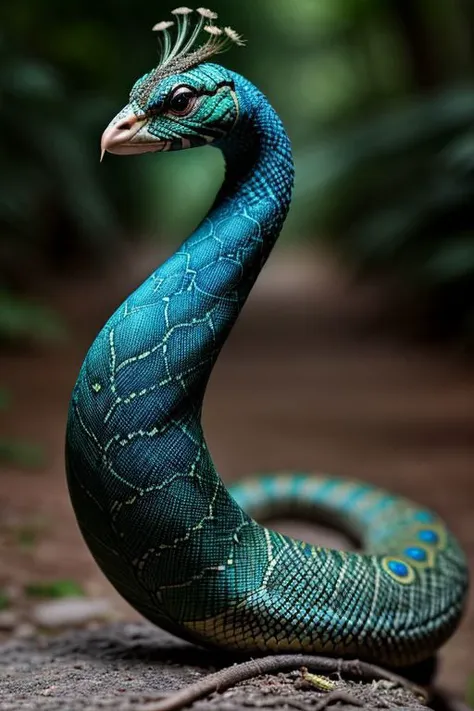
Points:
(467, 10)
(421, 50)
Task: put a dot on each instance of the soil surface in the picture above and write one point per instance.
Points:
(117, 665)
(305, 382)
(129, 666)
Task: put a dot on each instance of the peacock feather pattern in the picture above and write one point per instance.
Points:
(181, 548)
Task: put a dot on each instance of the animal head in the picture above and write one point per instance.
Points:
(185, 101)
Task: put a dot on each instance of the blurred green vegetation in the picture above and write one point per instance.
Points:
(18, 452)
(377, 97)
(54, 589)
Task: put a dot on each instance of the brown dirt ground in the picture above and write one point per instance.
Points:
(303, 383)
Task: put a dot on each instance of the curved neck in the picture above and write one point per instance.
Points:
(259, 163)
(206, 282)
(256, 191)
(136, 451)
(231, 245)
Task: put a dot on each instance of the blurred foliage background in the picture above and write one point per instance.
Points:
(378, 98)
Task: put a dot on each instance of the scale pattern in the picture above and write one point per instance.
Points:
(182, 549)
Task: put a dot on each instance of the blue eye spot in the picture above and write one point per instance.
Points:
(428, 536)
(415, 553)
(424, 517)
(398, 568)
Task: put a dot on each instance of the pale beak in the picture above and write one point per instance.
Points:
(126, 134)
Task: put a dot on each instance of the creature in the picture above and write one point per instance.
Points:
(181, 548)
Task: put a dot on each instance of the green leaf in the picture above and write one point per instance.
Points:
(4, 600)
(54, 589)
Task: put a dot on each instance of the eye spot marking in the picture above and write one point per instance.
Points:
(416, 553)
(398, 570)
(428, 536)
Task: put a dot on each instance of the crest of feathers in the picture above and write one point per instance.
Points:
(185, 52)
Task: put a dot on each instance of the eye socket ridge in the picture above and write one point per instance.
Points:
(182, 100)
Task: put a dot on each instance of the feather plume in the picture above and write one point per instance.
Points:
(185, 52)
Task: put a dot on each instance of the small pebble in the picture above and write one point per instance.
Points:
(70, 611)
(25, 631)
(8, 620)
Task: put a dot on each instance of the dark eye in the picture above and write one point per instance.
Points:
(182, 100)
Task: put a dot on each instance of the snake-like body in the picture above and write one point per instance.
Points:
(185, 551)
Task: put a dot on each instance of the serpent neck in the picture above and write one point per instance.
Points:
(227, 251)
(135, 447)
(259, 165)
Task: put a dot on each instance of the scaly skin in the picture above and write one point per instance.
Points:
(175, 543)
